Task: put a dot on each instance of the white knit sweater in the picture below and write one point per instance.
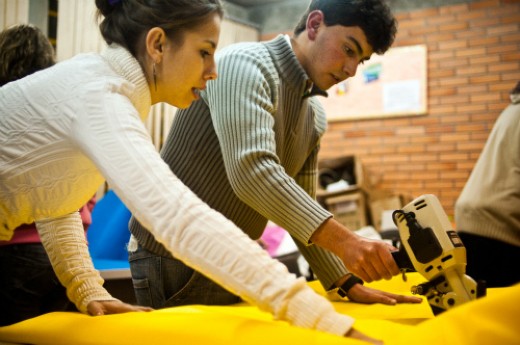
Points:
(65, 128)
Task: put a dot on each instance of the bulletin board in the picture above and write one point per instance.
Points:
(393, 84)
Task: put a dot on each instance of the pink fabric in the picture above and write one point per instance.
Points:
(27, 233)
(272, 237)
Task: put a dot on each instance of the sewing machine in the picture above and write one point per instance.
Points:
(430, 246)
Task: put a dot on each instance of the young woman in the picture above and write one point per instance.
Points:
(65, 129)
(28, 285)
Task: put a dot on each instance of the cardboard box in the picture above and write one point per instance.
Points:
(330, 171)
(348, 168)
(348, 209)
(379, 208)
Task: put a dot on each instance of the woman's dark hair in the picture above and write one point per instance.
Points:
(24, 49)
(126, 22)
(372, 16)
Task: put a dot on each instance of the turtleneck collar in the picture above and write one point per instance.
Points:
(129, 68)
(290, 68)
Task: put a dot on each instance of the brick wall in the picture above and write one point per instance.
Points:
(473, 62)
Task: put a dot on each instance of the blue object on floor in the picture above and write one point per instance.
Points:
(108, 235)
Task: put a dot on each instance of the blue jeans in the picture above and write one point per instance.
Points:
(28, 285)
(161, 282)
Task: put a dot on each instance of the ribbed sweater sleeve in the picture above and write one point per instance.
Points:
(64, 241)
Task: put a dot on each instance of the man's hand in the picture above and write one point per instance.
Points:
(362, 294)
(96, 308)
(369, 259)
(366, 258)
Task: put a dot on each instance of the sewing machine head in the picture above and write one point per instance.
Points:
(430, 246)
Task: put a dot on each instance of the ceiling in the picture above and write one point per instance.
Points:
(251, 3)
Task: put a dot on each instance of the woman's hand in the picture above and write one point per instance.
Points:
(96, 308)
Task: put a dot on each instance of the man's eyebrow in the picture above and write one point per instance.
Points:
(356, 43)
(358, 46)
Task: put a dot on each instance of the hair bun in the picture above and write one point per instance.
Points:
(106, 7)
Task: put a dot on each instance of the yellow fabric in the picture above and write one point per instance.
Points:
(489, 320)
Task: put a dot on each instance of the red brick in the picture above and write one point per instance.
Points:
(487, 59)
(511, 56)
(473, 32)
(503, 48)
(485, 23)
(439, 148)
(504, 29)
(509, 66)
(453, 26)
(510, 76)
(446, 91)
(444, 166)
(462, 8)
(449, 45)
(397, 158)
(470, 146)
(479, 41)
(457, 118)
(451, 137)
(472, 89)
(425, 13)
(453, 156)
(470, 108)
(470, 52)
(411, 149)
(483, 4)
(486, 97)
(472, 70)
(425, 157)
(484, 79)
(455, 174)
(411, 23)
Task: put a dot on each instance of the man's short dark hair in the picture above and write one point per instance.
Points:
(374, 17)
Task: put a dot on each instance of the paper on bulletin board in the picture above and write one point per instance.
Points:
(393, 84)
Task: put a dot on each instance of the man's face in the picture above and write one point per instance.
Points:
(336, 53)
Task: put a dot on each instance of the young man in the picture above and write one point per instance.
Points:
(249, 149)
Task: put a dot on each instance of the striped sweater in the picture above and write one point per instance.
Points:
(249, 149)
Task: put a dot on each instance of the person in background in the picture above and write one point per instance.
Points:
(487, 212)
(249, 148)
(28, 285)
(24, 50)
(67, 128)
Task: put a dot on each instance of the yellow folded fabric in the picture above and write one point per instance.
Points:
(489, 320)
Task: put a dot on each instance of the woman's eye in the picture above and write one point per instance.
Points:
(204, 53)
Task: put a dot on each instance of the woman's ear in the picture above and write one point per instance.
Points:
(155, 39)
(314, 21)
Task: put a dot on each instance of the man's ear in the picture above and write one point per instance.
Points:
(155, 39)
(314, 21)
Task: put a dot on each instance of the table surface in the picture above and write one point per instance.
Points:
(490, 320)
